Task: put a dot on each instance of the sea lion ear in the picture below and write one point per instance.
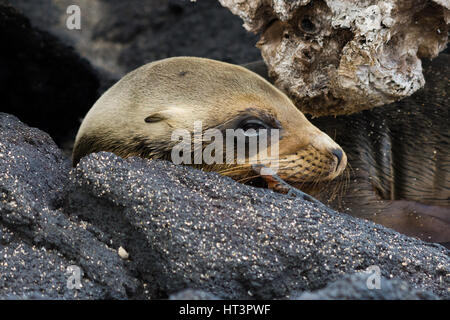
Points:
(155, 117)
(167, 114)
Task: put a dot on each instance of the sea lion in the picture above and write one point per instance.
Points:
(137, 116)
(398, 160)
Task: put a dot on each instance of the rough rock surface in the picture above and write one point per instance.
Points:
(185, 228)
(42, 81)
(349, 287)
(182, 228)
(37, 241)
(354, 287)
(190, 294)
(338, 57)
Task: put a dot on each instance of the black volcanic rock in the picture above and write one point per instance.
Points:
(354, 287)
(38, 242)
(185, 228)
(190, 294)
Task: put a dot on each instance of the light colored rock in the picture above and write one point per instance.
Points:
(342, 56)
(123, 253)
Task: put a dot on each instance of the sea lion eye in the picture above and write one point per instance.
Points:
(251, 127)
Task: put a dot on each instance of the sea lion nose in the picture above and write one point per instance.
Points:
(338, 154)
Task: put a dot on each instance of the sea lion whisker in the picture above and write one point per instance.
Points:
(245, 179)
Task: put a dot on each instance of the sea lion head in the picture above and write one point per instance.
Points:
(139, 115)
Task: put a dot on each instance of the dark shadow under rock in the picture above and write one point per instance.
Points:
(185, 28)
(42, 81)
(117, 36)
(185, 229)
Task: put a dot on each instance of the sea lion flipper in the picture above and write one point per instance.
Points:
(277, 184)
